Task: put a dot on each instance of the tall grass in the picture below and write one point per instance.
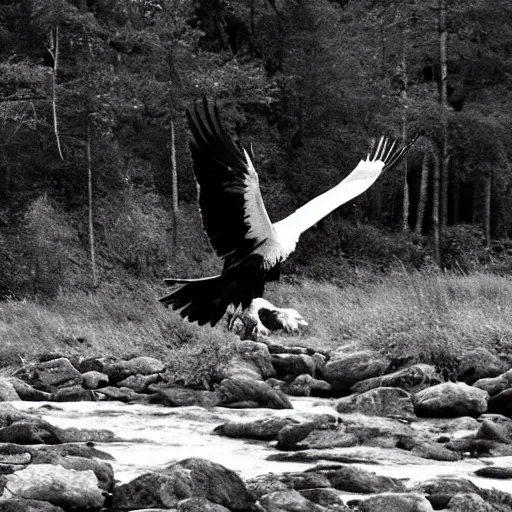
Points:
(429, 317)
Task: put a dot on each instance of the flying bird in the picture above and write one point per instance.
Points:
(238, 226)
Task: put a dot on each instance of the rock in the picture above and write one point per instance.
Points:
(140, 383)
(265, 429)
(125, 395)
(7, 391)
(94, 380)
(50, 375)
(29, 432)
(502, 403)
(289, 366)
(494, 432)
(413, 378)
(103, 471)
(23, 505)
(199, 504)
(479, 364)
(27, 392)
(434, 451)
(73, 394)
(306, 385)
(265, 484)
(97, 364)
(185, 479)
(500, 473)
(183, 397)
(396, 502)
(326, 497)
(214, 482)
(290, 435)
(357, 480)
(75, 450)
(480, 447)
(495, 385)
(85, 435)
(469, 502)
(258, 354)
(243, 390)
(76, 489)
(305, 480)
(138, 365)
(288, 501)
(450, 400)
(347, 369)
(378, 402)
(447, 486)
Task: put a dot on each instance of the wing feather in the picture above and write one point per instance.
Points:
(232, 209)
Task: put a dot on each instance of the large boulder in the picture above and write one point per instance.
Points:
(469, 502)
(23, 505)
(502, 403)
(495, 385)
(345, 369)
(289, 366)
(258, 354)
(236, 391)
(265, 429)
(94, 380)
(378, 402)
(353, 479)
(66, 488)
(103, 470)
(142, 365)
(183, 397)
(450, 400)
(288, 501)
(413, 378)
(50, 375)
(396, 502)
(27, 392)
(188, 478)
(75, 393)
(33, 431)
(199, 504)
(7, 391)
(140, 383)
(480, 364)
(306, 385)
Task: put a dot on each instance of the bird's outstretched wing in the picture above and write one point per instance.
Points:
(232, 209)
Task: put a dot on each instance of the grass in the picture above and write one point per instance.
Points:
(430, 317)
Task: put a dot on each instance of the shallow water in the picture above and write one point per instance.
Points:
(157, 436)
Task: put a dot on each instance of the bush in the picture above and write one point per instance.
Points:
(464, 248)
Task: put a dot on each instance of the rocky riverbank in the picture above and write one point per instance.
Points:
(403, 415)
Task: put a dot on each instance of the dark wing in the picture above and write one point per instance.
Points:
(232, 210)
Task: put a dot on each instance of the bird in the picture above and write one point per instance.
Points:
(238, 226)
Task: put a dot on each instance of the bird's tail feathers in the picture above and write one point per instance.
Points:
(202, 300)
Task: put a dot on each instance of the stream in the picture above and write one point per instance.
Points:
(157, 436)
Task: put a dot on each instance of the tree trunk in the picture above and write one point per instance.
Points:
(91, 224)
(174, 174)
(422, 201)
(54, 50)
(403, 95)
(487, 211)
(443, 37)
(435, 208)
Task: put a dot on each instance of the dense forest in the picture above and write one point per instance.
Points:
(95, 173)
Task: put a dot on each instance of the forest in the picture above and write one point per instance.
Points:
(95, 173)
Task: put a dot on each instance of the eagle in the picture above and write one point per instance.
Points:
(240, 231)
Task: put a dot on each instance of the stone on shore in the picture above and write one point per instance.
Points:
(501, 403)
(50, 375)
(495, 385)
(480, 364)
(414, 378)
(66, 488)
(306, 385)
(27, 392)
(345, 369)
(236, 390)
(265, 429)
(396, 502)
(94, 380)
(23, 505)
(469, 502)
(142, 365)
(378, 402)
(450, 400)
(289, 366)
(288, 501)
(7, 391)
